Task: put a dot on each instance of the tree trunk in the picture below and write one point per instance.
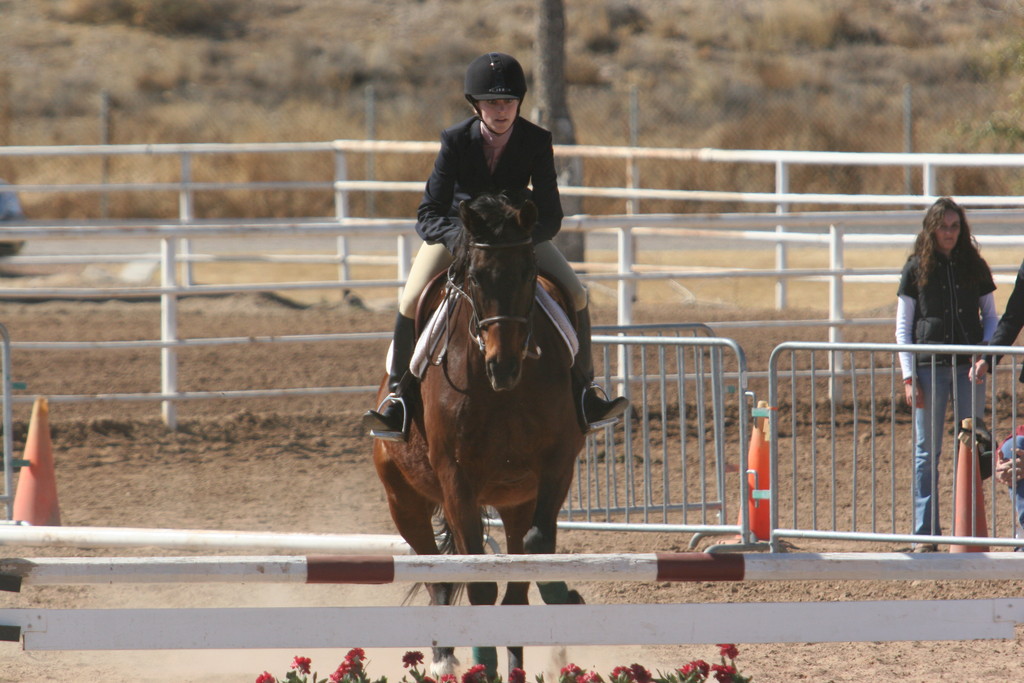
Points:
(552, 111)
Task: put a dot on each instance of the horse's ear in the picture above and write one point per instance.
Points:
(470, 218)
(528, 216)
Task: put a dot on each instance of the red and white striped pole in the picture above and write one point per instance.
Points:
(381, 569)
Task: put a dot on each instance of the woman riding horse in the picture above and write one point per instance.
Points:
(494, 427)
(495, 150)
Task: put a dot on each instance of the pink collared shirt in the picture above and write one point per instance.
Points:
(494, 145)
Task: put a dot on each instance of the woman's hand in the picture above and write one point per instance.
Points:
(979, 370)
(915, 398)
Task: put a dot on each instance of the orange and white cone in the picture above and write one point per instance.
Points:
(35, 499)
(759, 481)
(970, 495)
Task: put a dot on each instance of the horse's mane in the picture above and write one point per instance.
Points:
(499, 225)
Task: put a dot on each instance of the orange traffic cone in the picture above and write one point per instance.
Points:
(759, 482)
(970, 496)
(35, 500)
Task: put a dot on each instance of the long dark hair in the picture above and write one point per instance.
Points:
(965, 254)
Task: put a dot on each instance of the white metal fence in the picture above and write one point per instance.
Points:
(775, 229)
(176, 240)
(174, 253)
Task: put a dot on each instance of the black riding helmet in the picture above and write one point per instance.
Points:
(495, 76)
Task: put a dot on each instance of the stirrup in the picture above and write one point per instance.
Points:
(387, 434)
(605, 421)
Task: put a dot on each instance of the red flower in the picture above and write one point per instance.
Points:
(301, 664)
(640, 674)
(728, 650)
(589, 677)
(570, 673)
(449, 678)
(354, 661)
(724, 673)
(343, 670)
(517, 675)
(622, 673)
(265, 677)
(697, 666)
(476, 674)
(412, 659)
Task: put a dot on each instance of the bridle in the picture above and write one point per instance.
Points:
(478, 325)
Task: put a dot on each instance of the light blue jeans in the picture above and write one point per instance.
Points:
(1017, 490)
(938, 383)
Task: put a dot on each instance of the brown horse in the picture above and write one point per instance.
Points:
(495, 423)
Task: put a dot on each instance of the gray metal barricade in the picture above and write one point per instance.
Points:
(842, 445)
(6, 386)
(665, 468)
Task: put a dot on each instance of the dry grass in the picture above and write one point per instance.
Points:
(213, 18)
(788, 74)
(742, 74)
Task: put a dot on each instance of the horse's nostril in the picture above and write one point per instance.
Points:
(504, 374)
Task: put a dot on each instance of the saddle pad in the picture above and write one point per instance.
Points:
(427, 343)
(430, 338)
(561, 321)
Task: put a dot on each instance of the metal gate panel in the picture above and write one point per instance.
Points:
(842, 445)
(674, 464)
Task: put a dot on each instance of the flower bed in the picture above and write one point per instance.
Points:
(353, 670)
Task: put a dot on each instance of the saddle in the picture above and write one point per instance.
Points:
(435, 305)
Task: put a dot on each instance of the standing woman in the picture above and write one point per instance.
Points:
(1010, 468)
(493, 151)
(944, 297)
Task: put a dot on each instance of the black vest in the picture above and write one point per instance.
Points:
(947, 309)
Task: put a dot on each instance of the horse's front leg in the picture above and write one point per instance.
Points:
(517, 521)
(413, 516)
(542, 539)
(445, 662)
(465, 522)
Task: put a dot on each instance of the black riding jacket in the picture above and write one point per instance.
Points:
(461, 172)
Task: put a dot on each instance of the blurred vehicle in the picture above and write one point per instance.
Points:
(10, 210)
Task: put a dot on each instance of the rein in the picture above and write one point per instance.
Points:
(478, 325)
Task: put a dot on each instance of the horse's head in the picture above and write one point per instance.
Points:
(498, 270)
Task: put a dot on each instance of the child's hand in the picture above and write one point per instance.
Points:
(1005, 469)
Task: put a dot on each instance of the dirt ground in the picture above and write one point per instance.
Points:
(302, 465)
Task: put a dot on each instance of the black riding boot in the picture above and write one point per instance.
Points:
(390, 421)
(593, 409)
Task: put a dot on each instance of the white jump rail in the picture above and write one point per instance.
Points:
(247, 628)
(615, 567)
(539, 625)
(21, 535)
